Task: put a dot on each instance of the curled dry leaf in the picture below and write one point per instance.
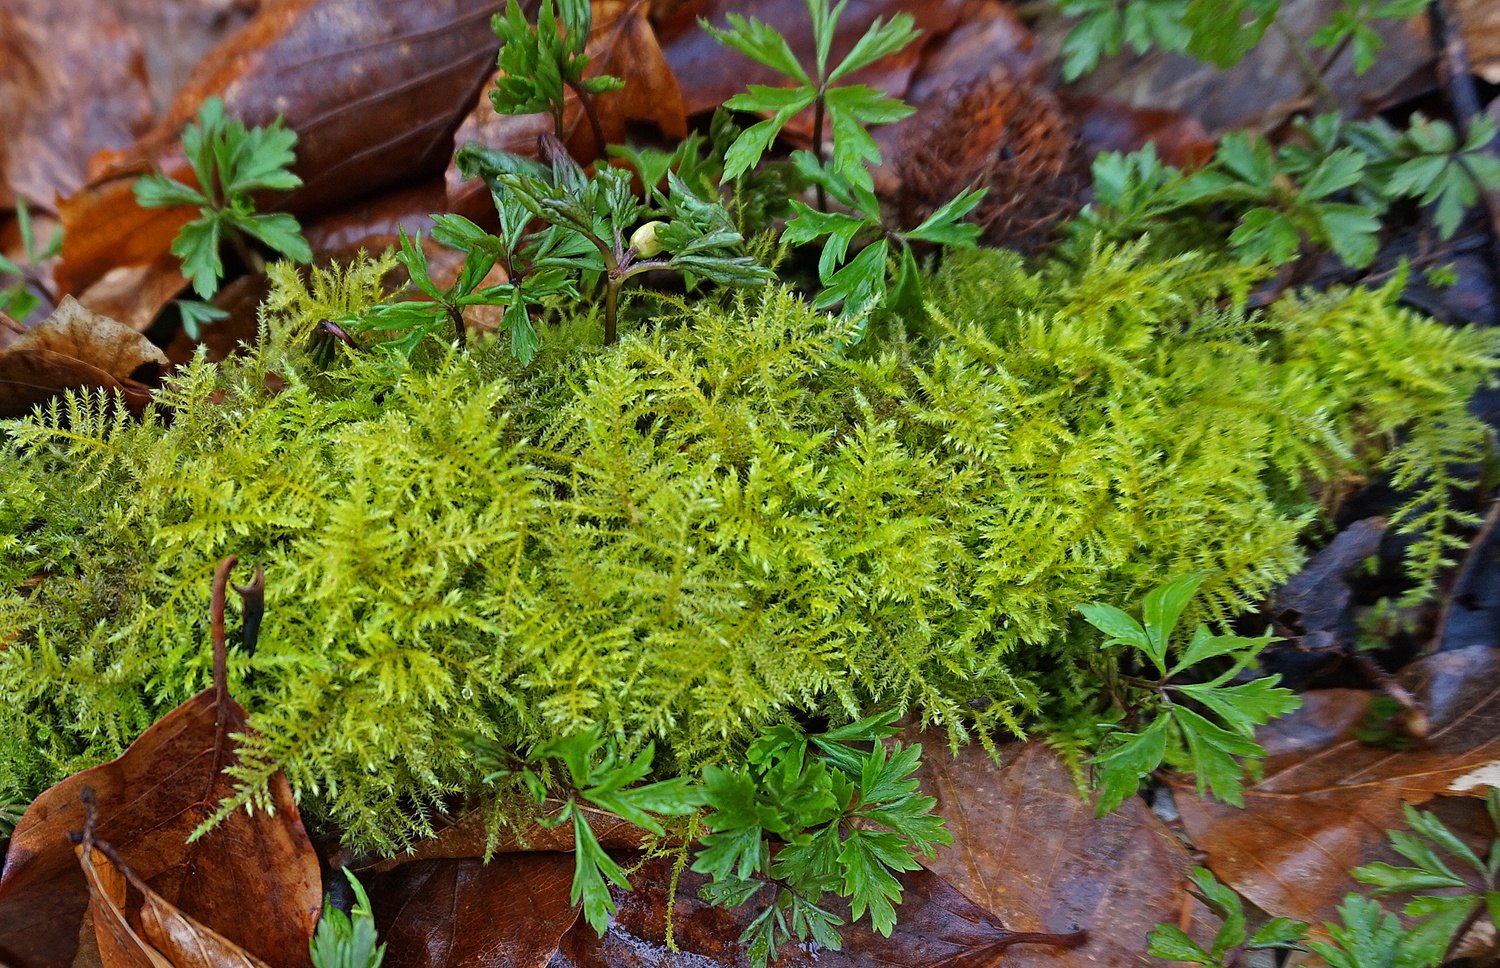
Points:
(1327, 800)
(75, 348)
(72, 82)
(1027, 847)
(253, 878)
(509, 913)
(936, 926)
(373, 88)
(118, 944)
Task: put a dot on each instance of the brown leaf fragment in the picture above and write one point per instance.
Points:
(72, 82)
(935, 926)
(75, 348)
(468, 836)
(509, 913)
(1327, 800)
(1027, 847)
(253, 878)
(118, 944)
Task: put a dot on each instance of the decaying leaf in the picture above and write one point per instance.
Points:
(118, 944)
(509, 913)
(75, 348)
(72, 82)
(253, 878)
(936, 926)
(1327, 800)
(1029, 848)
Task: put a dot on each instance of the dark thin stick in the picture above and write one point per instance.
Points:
(1458, 83)
(11, 324)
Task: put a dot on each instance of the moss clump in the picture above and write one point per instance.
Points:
(695, 532)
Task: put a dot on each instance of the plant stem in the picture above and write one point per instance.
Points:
(1315, 81)
(595, 124)
(611, 305)
(818, 146)
(252, 259)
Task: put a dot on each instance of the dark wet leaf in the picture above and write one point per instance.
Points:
(1327, 800)
(72, 82)
(509, 913)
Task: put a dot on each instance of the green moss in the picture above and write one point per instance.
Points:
(695, 532)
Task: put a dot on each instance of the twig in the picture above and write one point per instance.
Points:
(1413, 714)
(1458, 83)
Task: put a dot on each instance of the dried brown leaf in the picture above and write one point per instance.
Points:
(373, 88)
(1027, 847)
(75, 348)
(72, 82)
(935, 926)
(509, 913)
(1327, 800)
(118, 944)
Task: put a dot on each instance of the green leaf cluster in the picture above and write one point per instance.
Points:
(724, 519)
(849, 108)
(17, 299)
(845, 821)
(1220, 32)
(347, 940)
(537, 64)
(1440, 917)
(1210, 745)
(1172, 943)
(1329, 190)
(229, 162)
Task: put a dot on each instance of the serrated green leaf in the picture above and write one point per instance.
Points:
(1225, 30)
(1164, 606)
(1120, 770)
(760, 42)
(158, 191)
(1265, 234)
(1351, 232)
(1119, 626)
(1279, 933)
(1338, 171)
(868, 858)
(881, 40)
(197, 245)
(591, 866)
(943, 227)
(1169, 942)
(281, 232)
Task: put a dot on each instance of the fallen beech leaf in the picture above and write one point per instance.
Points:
(1327, 801)
(509, 913)
(373, 88)
(1027, 847)
(1105, 124)
(935, 926)
(253, 878)
(621, 43)
(467, 836)
(118, 944)
(72, 82)
(135, 294)
(75, 348)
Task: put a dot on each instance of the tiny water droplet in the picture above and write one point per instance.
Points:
(468, 693)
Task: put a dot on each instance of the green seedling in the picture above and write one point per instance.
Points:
(229, 161)
(17, 300)
(538, 64)
(1210, 743)
(347, 940)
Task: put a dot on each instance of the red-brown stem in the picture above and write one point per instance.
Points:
(818, 148)
(587, 100)
(216, 620)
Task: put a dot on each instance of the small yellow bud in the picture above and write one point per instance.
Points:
(643, 240)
